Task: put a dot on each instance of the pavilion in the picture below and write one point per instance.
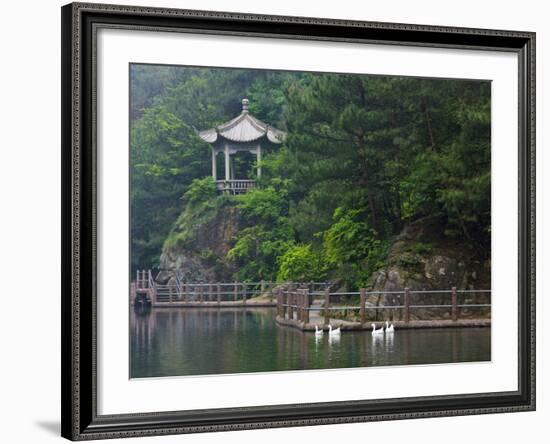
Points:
(244, 133)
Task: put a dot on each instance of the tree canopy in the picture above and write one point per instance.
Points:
(364, 156)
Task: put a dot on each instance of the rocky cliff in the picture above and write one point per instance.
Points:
(423, 258)
(198, 244)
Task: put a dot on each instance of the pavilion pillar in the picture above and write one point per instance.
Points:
(214, 175)
(258, 160)
(226, 152)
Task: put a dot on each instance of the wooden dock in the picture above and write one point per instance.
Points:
(303, 309)
(399, 325)
(306, 305)
(144, 290)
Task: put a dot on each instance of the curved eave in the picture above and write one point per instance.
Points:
(275, 136)
(243, 129)
(209, 135)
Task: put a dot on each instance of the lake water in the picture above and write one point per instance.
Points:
(200, 341)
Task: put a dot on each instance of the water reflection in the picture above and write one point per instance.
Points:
(388, 338)
(334, 340)
(169, 342)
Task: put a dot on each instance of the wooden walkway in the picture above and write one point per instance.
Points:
(306, 305)
(304, 309)
(399, 325)
(144, 290)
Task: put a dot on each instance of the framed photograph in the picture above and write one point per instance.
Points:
(278, 221)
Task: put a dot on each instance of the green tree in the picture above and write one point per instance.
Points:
(301, 264)
(352, 248)
(267, 236)
(364, 156)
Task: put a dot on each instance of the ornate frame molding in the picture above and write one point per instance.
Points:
(79, 409)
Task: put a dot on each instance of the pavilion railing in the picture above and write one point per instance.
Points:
(235, 186)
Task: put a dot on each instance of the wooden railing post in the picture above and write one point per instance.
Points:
(235, 290)
(306, 306)
(170, 298)
(326, 306)
(454, 304)
(154, 292)
(244, 294)
(270, 292)
(285, 302)
(201, 292)
(262, 287)
(407, 304)
(363, 301)
(219, 296)
(133, 293)
(210, 292)
(290, 304)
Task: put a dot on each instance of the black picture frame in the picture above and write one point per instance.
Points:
(79, 395)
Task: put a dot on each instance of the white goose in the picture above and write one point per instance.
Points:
(389, 328)
(377, 332)
(335, 332)
(318, 332)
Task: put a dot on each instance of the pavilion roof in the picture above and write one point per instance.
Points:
(243, 128)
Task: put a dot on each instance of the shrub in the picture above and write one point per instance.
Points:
(301, 264)
(201, 190)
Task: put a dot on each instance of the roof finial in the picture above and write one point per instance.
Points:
(245, 105)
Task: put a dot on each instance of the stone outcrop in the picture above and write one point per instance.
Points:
(202, 241)
(422, 258)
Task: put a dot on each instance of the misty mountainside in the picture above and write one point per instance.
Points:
(382, 182)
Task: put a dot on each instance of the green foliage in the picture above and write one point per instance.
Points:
(165, 154)
(168, 106)
(257, 249)
(349, 238)
(268, 236)
(202, 209)
(409, 260)
(421, 248)
(201, 190)
(263, 205)
(352, 247)
(301, 264)
(363, 157)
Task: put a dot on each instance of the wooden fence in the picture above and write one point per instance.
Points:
(298, 304)
(299, 301)
(180, 292)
